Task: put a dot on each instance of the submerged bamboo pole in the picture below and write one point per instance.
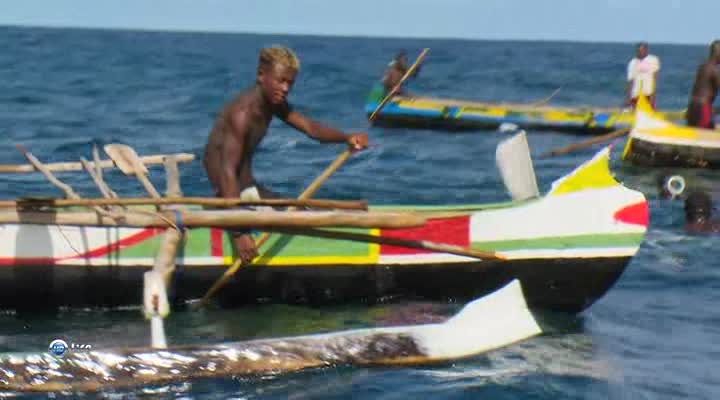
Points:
(77, 166)
(202, 201)
(221, 219)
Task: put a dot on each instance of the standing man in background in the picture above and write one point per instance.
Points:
(705, 90)
(642, 74)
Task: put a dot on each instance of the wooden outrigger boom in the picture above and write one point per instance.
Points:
(78, 166)
(220, 219)
(31, 202)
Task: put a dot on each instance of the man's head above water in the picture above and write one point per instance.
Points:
(698, 207)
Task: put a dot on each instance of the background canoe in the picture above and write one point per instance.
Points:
(656, 142)
(449, 114)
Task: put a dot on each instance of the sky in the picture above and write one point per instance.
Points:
(629, 21)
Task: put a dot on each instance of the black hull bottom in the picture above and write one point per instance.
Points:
(553, 284)
(649, 154)
(457, 125)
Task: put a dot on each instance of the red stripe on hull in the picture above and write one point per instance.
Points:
(216, 242)
(455, 231)
(94, 253)
(636, 214)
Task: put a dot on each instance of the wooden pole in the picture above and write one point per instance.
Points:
(77, 166)
(586, 143)
(397, 87)
(202, 201)
(220, 219)
(99, 182)
(69, 192)
(156, 303)
(413, 244)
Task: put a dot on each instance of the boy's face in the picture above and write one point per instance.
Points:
(276, 82)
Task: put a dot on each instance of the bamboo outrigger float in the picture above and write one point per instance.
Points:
(497, 320)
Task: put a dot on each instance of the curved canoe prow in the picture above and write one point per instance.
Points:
(494, 321)
(516, 167)
(656, 142)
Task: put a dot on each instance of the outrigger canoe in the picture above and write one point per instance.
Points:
(567, 248)
(494, 321)
(450, 114)
(656, 142)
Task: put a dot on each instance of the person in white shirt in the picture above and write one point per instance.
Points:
(642, 74)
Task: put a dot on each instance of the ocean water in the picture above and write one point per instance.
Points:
(655, 335)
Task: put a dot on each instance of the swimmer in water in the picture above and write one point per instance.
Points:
(698, 214)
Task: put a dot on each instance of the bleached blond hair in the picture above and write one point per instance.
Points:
(282, 55)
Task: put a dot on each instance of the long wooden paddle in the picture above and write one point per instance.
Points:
(586, 143)
(395, 89)
(309, 191)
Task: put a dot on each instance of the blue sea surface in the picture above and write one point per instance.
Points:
(654, 335)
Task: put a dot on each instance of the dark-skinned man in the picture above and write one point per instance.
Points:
(704, 91)
(394, 72)
(243, 123)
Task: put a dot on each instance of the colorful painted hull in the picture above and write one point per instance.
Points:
(567, 248)
(656, 142)
(434, 113)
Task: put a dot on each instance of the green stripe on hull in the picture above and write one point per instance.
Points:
(564, 242)
(305, 246)
(197, 245)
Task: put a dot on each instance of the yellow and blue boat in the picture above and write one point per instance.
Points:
(656, 142)
(451, 114)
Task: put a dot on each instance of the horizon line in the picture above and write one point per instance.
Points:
(333, 35)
